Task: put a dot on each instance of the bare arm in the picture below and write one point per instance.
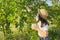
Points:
(42, 32)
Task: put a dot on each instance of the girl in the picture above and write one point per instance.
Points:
(42, 24)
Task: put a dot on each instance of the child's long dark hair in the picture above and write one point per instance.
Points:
(43, 21)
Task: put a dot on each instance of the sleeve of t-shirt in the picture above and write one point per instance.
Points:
(46, 27)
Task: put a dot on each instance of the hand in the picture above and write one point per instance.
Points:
(34, 27)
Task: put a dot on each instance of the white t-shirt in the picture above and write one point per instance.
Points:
(42, 28)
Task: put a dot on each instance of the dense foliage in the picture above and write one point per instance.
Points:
(16, 17)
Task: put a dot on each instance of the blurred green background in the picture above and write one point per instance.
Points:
(16, 17)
